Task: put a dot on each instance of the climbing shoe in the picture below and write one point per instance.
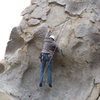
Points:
(50, 85)
(40, 85)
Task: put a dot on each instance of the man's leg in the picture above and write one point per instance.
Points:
(42, 67)
(50, 73)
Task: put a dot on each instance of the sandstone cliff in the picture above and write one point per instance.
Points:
(76, 76)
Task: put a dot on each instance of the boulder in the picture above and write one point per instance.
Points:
(28, 10)
(33, 22)
(76, 75)
(40, 12)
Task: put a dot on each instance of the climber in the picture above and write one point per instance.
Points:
(49, 48)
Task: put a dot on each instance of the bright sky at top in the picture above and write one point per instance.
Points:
(10, 16)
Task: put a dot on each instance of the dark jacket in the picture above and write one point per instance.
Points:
(49, 45)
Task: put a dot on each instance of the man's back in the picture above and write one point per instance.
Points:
(49, 46)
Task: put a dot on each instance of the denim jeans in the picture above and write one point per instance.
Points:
(46, 62)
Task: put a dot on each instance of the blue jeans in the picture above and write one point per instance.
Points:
(46, 60)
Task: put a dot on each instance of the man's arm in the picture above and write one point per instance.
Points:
(47, 35)
(59, 49)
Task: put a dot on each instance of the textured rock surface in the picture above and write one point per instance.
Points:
(76, 76)
(4, 96)
(33, 22)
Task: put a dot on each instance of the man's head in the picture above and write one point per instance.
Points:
(52, 37)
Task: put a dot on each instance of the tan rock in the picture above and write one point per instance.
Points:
(35, 1)
(4, 96)
(33, 22)
(2, 68)
(76, 8)
(62, 2)
(55, 15)
(28, 10)
(39, 12)
(95, 93)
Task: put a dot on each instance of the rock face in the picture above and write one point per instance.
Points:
(76, 76)
(4, 96)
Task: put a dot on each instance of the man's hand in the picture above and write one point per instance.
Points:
(40, 57)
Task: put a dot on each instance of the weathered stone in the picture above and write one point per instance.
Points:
(33, 22)
(81, 30)
(97, 2)
(23, 24)
(28, 33)
(95, 93)
(35, 1)
(76, 8)
(37, 13)
(61, 2)
(19, 60)
(72, 7)
(76, 75)
(97, 15)
(76, 44)
(28, 10)
(42, 3)
(14, 43)
(4, 96)
(40, 12)
(44, 18)
(55, 15)
(2, 68)
(38, 2)
(26, 17)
